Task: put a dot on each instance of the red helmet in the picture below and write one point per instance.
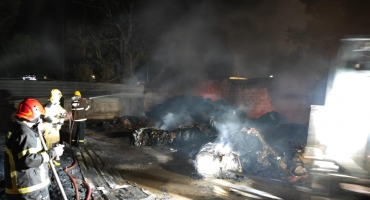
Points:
(30, 109)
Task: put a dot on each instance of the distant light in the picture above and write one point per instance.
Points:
(29, 78)
(271, 76)
(236, 78)
(45, 77)
(93, 76)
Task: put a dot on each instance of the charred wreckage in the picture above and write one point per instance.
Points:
(221, 149)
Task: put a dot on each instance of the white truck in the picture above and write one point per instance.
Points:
(338, 145)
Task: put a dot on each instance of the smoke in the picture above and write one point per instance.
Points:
(257, 33)
(185, 110)
(217, 39)
(171, 121)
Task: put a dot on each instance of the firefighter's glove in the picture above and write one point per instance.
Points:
(55, 151)
(59, 150)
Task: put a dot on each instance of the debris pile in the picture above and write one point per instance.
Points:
(131, 122)
(124, 123)
(256, 157)
(151, 137)
(185, 134)
(216, 161)
(297, 167)
(158, 137)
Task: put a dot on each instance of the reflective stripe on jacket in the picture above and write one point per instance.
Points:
(79, 108)
(25, 164)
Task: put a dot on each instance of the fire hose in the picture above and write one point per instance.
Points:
(75, 162)
(74, 181)
(53, 168)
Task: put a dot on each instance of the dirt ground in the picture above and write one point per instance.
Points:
(167, 171)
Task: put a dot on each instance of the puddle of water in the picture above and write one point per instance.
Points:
(159, 182)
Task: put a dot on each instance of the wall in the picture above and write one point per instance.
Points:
(255, 97)
(250, 97)
(106, 100)
(106, 107)
(254, 101)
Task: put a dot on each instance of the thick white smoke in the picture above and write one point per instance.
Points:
(172, 121)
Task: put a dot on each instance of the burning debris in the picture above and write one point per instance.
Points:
(158, 137)
(151, 137)
(246, 150)
(216, 161)
(124, 123)
(181, 110)
(185, 134)
(131, 122)
(256, 156)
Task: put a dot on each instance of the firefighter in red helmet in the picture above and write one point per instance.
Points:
(26, 168)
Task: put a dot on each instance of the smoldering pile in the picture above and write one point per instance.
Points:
(256, 157)
(151, 137)
(158, 137)
(131, 122)
(123, 123)
(193, 109)
(217, 161)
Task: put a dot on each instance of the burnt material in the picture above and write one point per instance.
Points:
(185, 134)
(151, 137)
(131, 122)
(256, 157)
(158, 137)
(215, 161)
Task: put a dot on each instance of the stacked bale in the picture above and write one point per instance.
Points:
(185, 134)
(257, 158)
(214, 161)
(151, 137)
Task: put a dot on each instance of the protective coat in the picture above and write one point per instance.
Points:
(54, 118)
(26, 168)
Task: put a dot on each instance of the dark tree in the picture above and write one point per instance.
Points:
(110, 40)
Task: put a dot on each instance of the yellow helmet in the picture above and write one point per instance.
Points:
(55, 94)
(77, 93)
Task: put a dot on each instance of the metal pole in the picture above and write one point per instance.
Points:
(53, 168)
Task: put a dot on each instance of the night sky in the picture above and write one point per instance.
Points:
(192, 40)
(239, 34)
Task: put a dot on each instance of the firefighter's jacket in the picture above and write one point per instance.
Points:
(26, 168)
(55, 113)
(54, 118)
(79, 108)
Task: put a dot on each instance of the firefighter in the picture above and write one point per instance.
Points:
(53, 120)
(26, 168)
(79, 108)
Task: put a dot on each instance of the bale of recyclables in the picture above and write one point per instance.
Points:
(216, 161)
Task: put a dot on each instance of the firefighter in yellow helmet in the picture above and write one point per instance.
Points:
(25, 161)
(53, 120)
(79, 108)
